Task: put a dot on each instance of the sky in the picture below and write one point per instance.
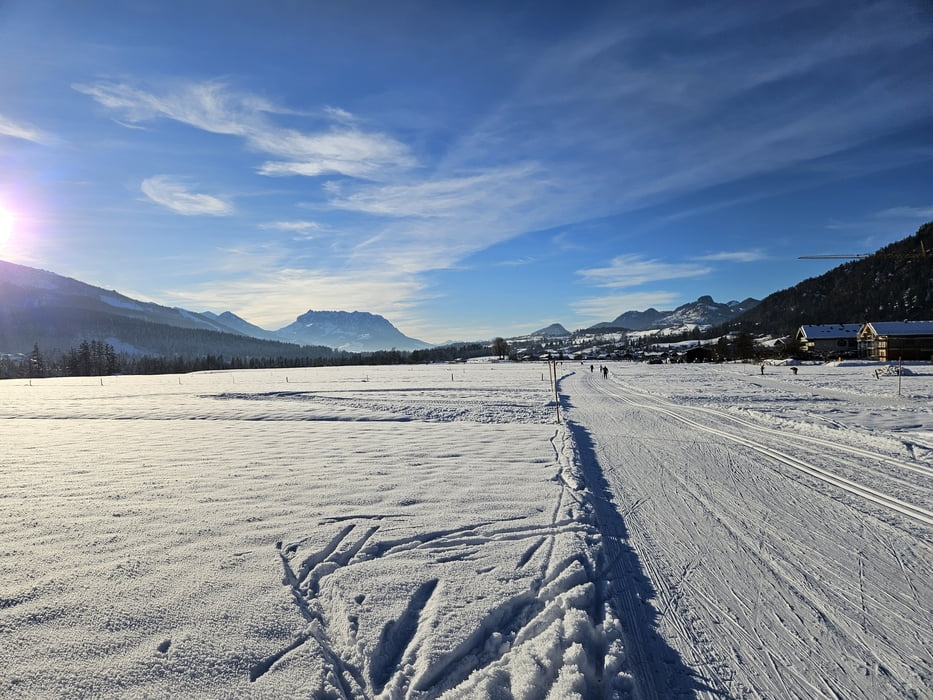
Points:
(467, 170)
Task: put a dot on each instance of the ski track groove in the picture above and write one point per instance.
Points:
(879, 498)
(670, 584)
(813, 590)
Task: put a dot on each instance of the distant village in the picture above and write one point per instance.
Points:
(883, 342)
(886, 341)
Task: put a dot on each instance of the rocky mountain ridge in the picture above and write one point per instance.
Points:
(704, 312)
(59, 312)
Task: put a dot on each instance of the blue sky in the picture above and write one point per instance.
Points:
(466, 169)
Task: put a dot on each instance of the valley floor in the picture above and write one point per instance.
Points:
(433, 531)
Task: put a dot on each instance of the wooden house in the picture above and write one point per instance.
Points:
(829, 340)
(891, 341)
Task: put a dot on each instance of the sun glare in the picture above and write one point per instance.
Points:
(6, 227)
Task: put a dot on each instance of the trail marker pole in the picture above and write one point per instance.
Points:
(553, 366)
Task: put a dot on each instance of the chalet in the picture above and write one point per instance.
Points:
(891, 341)
(829, 340)
(699, 353)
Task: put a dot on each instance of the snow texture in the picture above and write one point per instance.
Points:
(435, 532)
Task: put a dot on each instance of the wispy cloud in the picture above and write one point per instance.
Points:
(517, 262)
(433, 224)
(302, 227)
(176, 195)
(879, 227)
(26, 132)
(507, 187)
(654, 104)
(925, 213)
(342, 147)
(345, 151)
(616, 115)
(738, 256)
(412, 221)
(209, 106)
(626, 271)
(606, 308)
(634, 270)
(259, 285)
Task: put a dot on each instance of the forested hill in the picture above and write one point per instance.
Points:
(893, 284)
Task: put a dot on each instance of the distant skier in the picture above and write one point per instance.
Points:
(591, 368)
(762, 369)
(605, 373)
(794, 370)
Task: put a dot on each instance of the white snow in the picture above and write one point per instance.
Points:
(120, 302)
(433, 531)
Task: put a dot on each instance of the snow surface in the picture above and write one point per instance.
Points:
(121, 303)
(433, 531)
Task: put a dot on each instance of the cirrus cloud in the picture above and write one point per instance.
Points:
(26, 132)
(175, 195)
(609, 307)
(739, 256)
(340, 148)
(634, 270)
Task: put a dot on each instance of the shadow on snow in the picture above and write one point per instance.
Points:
(657, 668)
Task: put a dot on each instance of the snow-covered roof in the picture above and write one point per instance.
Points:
(901, 327)
(831, 330)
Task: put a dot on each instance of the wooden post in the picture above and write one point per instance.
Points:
(553, 366)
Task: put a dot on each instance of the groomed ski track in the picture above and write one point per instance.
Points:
(779, 565)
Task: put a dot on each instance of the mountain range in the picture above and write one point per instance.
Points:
(702, 312)
(56, 312)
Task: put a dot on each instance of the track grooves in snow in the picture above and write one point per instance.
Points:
(910, 510)
(767, 586)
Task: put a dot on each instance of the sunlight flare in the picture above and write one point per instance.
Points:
(6, 227)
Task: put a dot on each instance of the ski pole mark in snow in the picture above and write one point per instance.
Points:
(561, 620)
(396, 637)
(529, 553)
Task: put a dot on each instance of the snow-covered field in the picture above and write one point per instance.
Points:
(427, 531)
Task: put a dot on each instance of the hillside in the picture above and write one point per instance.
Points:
(893, 284)
(705, 311)
(555, 330)
(58, 313)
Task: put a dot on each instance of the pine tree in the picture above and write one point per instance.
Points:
(36, 362)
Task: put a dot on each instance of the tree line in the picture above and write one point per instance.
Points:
(93, 358)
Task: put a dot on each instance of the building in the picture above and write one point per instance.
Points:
(829, 340)
(892, 341)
